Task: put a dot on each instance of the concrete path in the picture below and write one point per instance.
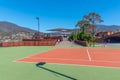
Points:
(65, 42)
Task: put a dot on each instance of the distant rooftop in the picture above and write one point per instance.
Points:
(60, 30)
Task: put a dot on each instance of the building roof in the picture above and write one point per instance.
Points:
(61, 30)
(115, 35)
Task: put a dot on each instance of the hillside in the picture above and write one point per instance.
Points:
(8, 27)
(108, 27)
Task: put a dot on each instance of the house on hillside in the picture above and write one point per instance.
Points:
(104, 34)
(114, 38)
(101, 36)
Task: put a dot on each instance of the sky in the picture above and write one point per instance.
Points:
(57, 13)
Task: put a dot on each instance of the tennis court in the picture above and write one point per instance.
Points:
(27, 70)
(105, 57)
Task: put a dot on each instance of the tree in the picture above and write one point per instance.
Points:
(93, 19)
(83, 24)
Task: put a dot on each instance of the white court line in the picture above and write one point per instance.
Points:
(59, 59)
(75, 65)
(89, 57)
(73, 60)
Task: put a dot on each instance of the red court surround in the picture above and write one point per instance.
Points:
(78, 56)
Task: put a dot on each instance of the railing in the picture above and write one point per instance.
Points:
(30, 43)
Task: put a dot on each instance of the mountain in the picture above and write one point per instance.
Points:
(108, 27)
(8, 27)
(114, 28)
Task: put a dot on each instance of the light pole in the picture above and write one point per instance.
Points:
(38, 23)
(38, 35)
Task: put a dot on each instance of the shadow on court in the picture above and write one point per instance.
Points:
(40, 65)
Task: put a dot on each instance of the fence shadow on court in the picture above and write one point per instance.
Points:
(40, 65)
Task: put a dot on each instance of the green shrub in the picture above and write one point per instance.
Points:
(73, 37)
(83, 36)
